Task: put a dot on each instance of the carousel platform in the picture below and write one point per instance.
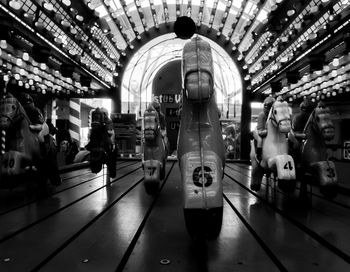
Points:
(89, 224)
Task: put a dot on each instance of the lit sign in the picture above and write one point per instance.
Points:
(168, 98)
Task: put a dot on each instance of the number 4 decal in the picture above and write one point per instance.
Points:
(288, 166)
(331, 173)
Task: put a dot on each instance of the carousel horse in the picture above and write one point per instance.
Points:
(201, 150)
(102, 143)
(25, 152)
(154, 151)
(275, 158)
(230, 145)
(230, 141)
(314, 162)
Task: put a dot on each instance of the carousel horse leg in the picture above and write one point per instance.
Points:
(267, 178)
(50, 161)
(112, 164)
(96, 159)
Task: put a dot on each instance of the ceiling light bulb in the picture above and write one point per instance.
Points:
(15, 4)
(19, 62)
(3, 44)
(335, 62)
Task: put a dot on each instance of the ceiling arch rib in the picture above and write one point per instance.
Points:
(166, 12)
(212, 14)
(189, 8)
(248, 28)
(154, 14)
(130, 22)
(224, 16)
(118, 27)
(236, 19)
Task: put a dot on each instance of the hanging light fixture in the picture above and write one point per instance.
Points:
(67, 70)
(41, 53)
(85, 81)
(316, 62)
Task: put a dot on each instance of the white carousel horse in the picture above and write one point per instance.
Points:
(275, 157)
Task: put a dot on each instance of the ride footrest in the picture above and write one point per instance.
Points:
(151, 170)
(285, 167)
(201, 190)
(325, 172)
(14, 163)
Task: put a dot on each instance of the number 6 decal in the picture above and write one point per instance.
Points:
(197, 176)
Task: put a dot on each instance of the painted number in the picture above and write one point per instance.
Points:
(152, 170)
(288, 166)
(197, 176)
(330, 172)
(9, 163)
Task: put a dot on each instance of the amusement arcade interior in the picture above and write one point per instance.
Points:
(97, 182)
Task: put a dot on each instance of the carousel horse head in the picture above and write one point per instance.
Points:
(99, 117)
(321, 123)
(198, 84)
(151, 124)
(10, 111)
(101, 143)
(280, 116)
(320, 129)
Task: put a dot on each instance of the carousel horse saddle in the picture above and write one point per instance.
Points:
(198, 71)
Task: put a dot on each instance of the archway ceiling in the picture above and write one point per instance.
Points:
(268, 38)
